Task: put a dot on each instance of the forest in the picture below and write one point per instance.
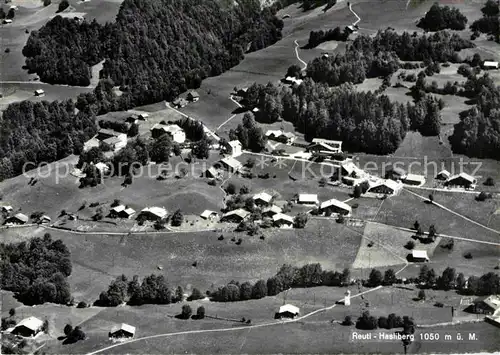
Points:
(156, 49)
(442, 17)
(489, 23)
(36, 271)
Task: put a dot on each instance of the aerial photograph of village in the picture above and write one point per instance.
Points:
(249, 177)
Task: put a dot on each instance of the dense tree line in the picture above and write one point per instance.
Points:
(442, 17)
(36, 271)
(250, 135)
(318, 37)
(489, 23)
(155, 49)
(38, 132)
(478, 132)
(194, 129)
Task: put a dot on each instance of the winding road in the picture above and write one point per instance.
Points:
(298, 57)
(355, 14)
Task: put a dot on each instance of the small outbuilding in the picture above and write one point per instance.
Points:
(209, 215)
(271, 211)
(281, 220)
(122, 331)
(443, 175)
(232, 165)
(287, 311)
(235, 148)
(39, 93)
(193, 96)
(308, 199)
(395, 173)
(28, 327)
(44, 219)
(18, 219)
(419, 256)
(490, 65)
(180, 102)
(7, 209)
(461, 180)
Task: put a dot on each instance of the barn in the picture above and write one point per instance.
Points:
(28, 327)
(122, 331)
(287, 311)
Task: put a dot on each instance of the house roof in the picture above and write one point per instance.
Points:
(239, 212)
(31, 323)
(118, 208)
(180, 101)
(465, 176)
(391, 184)
(170, 128)
(157, 211)
(350, 167)
(22, 217)
(419, 254)
(102, 166)
(493, 301)
(282, 217)
(45, 217)
(125, 327)
(327, 141)
(264, 196)
(488, 63)
(212, 171)
(336, 203)
(274, 209)
(289, 308)
(234, 144)
(233, 163)
(207, 213)
(444, 172)
(275, 133)
(255, 109)
(415, 177)
(7, 208)
(308, 198)
(193, 93)
(108, 132)
(39, 91)
(129, 211)
(399, 171)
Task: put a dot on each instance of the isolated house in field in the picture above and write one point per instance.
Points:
(175, 132)
(490, 65)
(121, 211)
(39, 93)
(209, 215)
(282, 220)
(232, 165)
(308, 199)
(287, 311)
(419, 256)
(234, 148)
(271, 211)
(153, 213)
(28, 327)
(443, 175)
(235, 216)
(122, 331)
(386, 187)
(324, 147)
(486, 305)
(44, 219)
(335, 206)
(180, 102)
(193, 96)
(18, 219)
(414, 179)
(395, 174)
(461, 180)
(262, 199)
(7, 209)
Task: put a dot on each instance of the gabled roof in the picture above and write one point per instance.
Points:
(275, 133)
(32, 323)
(208, 213)
(274, 209)
(45, 218)
(399, 171)
(118, 208)
(282, 217)
(444, 172)
(231, 162)
(129, 211)
(239, 212)
(109, 132)
(419, 254)
(308, 198)
(391, 184)
(180, 101)
(415, 177)
(234, 144)
(193, 93)
(22, 217)
(7, 208)
(289, 308)
(336, 203)
(264, 196)
(327, 141)
(125, 327)
(464, 176)
(350, 167)
(492, 301)
(157, 211)
(39, 91)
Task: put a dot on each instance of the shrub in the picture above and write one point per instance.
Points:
(468, 255)
(483, 196)
(47, 2)
(81, 304)
(439, 304)
(410, 245)
(489, 182)
(7, 50)
(347, 321)
(421, 295)
(200, 312)
(186, 312)
(68, 329)
(231, 189)
(63, 5)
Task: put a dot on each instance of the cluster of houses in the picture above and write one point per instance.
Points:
(20, 218)
(192, 96)
(287, 138)
(115, 140)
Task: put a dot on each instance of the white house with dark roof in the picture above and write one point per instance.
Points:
(282, 220)
(235, 216)
(232, 165)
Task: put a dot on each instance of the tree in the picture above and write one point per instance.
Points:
(11, 14)
(63, 5)
(68, 329)
(231, 189)
(367, 322)
(133, 130)
(389, 277)
(196, 295)
(375, 278)
(76, 335)
(294, 71)
(186, 312)
(421, 295)
(246, 290)
(47, 2)
(347, 321)
(357, 191)
(200, 312)
(179, 294)
(431, 198)
(177, 218)
(491, 8)
(259, 290)
(432, 233)
(201, 149)
(461, 282)
(12, 312)
(489, 182)
(440, 18)
(416, 225)
(447, 279)
(410, 245)
(300, 220)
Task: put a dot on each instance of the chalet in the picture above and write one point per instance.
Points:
(210, 215)
(44, 219)
(443, 175)
(28, 327)
(308, 199)
(232, 165)
(234, 148)
(121, 211)
(212, 173)
(143, 116)
(235, 216)
(385, 187)
(462, 180)
(7, 209)
(490, 65)
(282, 220)
(395, 173)
(262, 199)
(18, 219)
(287, 311)
(180, 102)
(193, 96)
(271, 211)
(324, 146)
(114, 139)
(486, 305)
(335, 206)
(414, 179)
(153, 213)
(122, 331)
(419, 256)
(174, 131)
(39, 93)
